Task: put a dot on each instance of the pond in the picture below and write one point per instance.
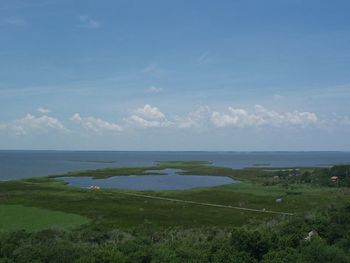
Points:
(167, 179)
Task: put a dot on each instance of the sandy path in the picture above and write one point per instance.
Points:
(209, 204)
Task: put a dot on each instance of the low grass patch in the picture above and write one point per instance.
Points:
(15, 217)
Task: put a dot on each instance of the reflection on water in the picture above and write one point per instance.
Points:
(24, 164)
(167, 179)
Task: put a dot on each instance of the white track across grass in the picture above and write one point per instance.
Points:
(209, 204)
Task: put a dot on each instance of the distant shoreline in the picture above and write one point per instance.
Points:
(187, 151)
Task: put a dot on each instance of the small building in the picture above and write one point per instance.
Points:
(294, 172)
(94, 187)
(310, 235)
(279, 200)
(334, 178)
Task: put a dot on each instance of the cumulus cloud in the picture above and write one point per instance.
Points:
(237, 117)
(204, 117)
(43, 110)
(31, 123)
(153, 90)
(144, 123)
(95, 124)
(87, 22)
(195, 119)
(150, 112)
(148, 117)
(152, 117)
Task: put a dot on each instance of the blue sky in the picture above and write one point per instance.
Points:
(175, 75)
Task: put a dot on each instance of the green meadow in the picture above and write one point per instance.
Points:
(14, 217)
(68, 207)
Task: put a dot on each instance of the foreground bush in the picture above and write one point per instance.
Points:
(284, 242)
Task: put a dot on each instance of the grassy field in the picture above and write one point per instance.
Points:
(14, 217)
(112, 208)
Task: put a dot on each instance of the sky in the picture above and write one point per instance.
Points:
(226, 75)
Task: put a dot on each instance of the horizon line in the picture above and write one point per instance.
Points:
(236, 151)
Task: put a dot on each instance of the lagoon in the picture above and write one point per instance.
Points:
(167, 179)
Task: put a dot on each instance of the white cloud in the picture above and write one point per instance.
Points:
(204, 117)
(87, 22)
(152, 117)
(95, 124)
(153, 89)
(144, 123)
(237, 117)
(43, 110)
(196, 119)
(150, 112)
(222, 120)
(31, 123)
(148, 117)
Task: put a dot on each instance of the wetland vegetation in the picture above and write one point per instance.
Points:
(109, 225)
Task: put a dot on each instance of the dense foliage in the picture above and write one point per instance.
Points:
(336, 176)
(274, 242)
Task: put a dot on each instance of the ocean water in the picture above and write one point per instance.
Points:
(169, 179)
(24, 164)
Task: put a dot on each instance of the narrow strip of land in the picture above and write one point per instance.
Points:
(209, 204)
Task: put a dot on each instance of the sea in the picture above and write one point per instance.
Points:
(19, 164)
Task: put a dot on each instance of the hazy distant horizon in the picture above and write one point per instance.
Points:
(25, 164)
(216, 151)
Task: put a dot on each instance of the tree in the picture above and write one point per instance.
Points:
(253, 242)
(318, 251)
(289, 255)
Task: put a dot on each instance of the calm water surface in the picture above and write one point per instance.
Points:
(24, 164)
(169, 180)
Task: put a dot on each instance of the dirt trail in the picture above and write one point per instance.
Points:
(209, 204)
